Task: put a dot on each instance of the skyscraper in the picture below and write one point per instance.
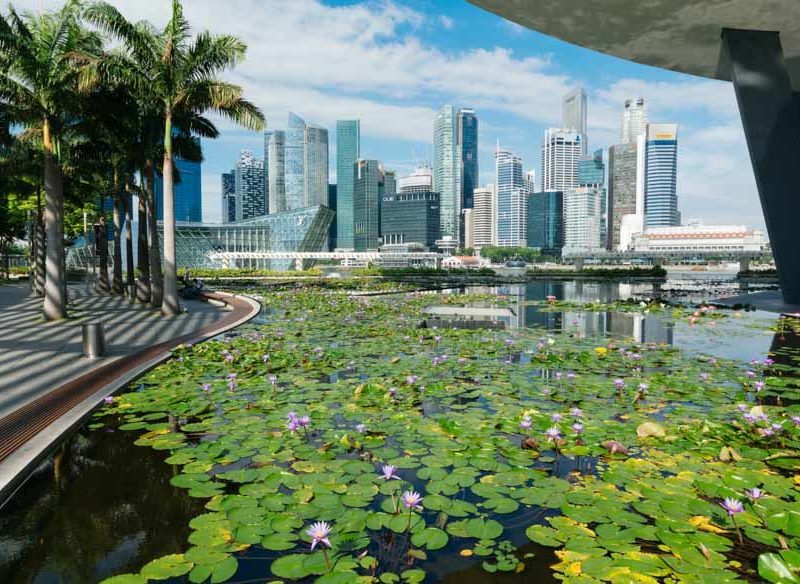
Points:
(583, 218)
(573, 110)
(447, 170)
(546, 222)
(622, 171)
(187, 193)
(468, 151)
(267, 137)
(229, 196)
(348, 152)
(634, 120)
(483, 217)
(410, 217)
(419, 181)
(295, 155)
(561, 151)
(661, 170)
(369, 187)
(276, 153)
(250, 196)
(332, 205)
(315, 166)
(512, 196)
(592, 170)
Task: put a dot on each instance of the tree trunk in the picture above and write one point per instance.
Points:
(143, 285)
(170, 305)
(130, 282)
(39, 260)
(116, 281)
(55, 301)
(156, 278)
(103, 284)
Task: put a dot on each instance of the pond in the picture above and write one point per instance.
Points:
(594, 437)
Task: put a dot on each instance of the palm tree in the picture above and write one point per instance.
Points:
(40, 82)
(181, 74)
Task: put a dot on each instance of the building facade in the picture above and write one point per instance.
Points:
(419, 181)
(276, 179)
(583, 215)
(661, 175)
(468, 151)
(410, 217)
(447, 170)
(483, 218)
(315, 166)
(332, 205)
(592, 173)
(561, 151)
(701, 238)
(573, 110)
(229, 196)
(512, 196)
(187, 192)
(250, 196)
(294, 162)
(634, 120)
(348, 152)
(546, 222)
(622, 174)
(369, 188)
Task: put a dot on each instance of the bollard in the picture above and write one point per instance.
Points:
(94, 342)
(132, 293)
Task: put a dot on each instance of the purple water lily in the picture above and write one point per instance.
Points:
(361, 428)
(388, 473)
(264, 358)
(754, 494)
(412, 500)
(732, 506)
(795, 420)
(576, 413)
(206, 387)
(742, 407)
(553, 434)
(318, 532)
(577, 428)
(109, 399)
(759, 385)
(273, 379)
(643, 387)
(556, 418)
(749, 373)
(526, 423)
(411, 379)
(619, 383)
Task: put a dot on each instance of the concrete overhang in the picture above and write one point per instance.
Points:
(680, 35)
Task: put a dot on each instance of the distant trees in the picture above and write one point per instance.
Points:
(503, 254)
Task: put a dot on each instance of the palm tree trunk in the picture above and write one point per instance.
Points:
(170, 306)
(55, 300)
(39, 260)
(103, 285)
(143, 251)
(156, 278)
(116, 281)
(127, 201)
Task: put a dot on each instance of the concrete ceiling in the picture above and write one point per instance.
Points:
(681, 35)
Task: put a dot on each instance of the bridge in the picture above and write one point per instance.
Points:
(230, 259)
(658, 258)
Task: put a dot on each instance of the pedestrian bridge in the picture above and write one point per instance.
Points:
(232, 259)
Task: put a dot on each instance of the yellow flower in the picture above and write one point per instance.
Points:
(601, 351)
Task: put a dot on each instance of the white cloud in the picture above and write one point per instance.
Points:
(447, 22)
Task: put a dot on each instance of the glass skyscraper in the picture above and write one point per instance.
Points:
(315, 166)
(468, 151)
(229, 196)
(546, 222)
(294, 162)
(410, 217)
(447, 170)
(275, 162)
(573, 113)
(512, 193)
(369, 187)
(661, 171)
(250, 196)
(592, 170)
(188, 192)
(348, 152)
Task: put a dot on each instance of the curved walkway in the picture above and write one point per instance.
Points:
(47, 388)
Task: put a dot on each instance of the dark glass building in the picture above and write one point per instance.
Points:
(546, 222)
(370, 185)
(468, 148)
(332, 192)
(187, 192)
(591, 170)
(229, 196)
(410, 218)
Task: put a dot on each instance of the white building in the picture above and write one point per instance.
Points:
(447, 170)
(420, 181)
(634, 120)
(512, 200)
(561, 151)
(469, 227)
(573, 110)
(700, 238)
(483, 216)
(583, 218)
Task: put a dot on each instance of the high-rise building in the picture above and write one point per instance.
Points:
(634, 120)
(348, 152)
(229, 196)
(276, 155)
(295, 156)
(661, 171)
(546, 222)
(447, 170)
(332, 204)
(369, 187)
(187, 191)
(483, 218)
(250, 196)
(561, 152)
(512, 196)
(410, 217)
(573, 110)
(583, 218)
(468, 151)
(469, 227)
(267, 137)
(592, 170)
(315, 166)
(419, 181)
(622, 172)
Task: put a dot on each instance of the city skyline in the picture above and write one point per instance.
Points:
(413, 56)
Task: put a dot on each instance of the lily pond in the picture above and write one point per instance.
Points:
(360, 437)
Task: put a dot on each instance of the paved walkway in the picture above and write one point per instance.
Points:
(36, 356)
(769, 300)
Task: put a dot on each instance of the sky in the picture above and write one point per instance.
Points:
(394, 63)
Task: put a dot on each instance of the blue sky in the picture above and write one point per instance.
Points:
(394, 63)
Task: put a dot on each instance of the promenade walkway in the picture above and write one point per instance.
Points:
(47, 387)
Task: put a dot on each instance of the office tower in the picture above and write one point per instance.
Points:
(276, 158)
(250, 201)
(469, 227)
(592, 170)
(267, 137)
(573, 109)
(634, 120)
(410, 217)
(546, 222)
(315, 166)
(187, 191)
(229, 196)
(294, 162)
(332, 202)
(468, 151)
(348, 152)
(661, 170)
(369, 187)
(561, 152)
(512, 195)
(447, 170)
(484, 217)
(622, 171)
(583, 218)
(419, 181)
